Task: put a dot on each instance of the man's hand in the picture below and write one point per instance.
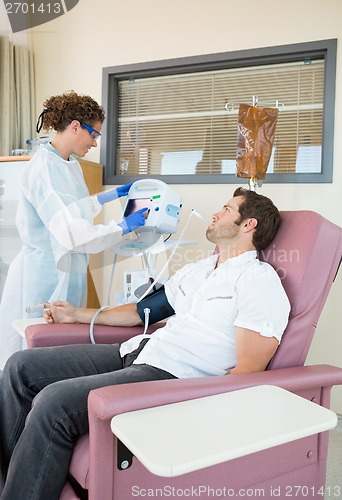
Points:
(60, 312)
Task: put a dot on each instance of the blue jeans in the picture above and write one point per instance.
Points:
(43, 410)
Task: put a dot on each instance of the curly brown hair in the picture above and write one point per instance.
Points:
(60, 110)
(264, 211)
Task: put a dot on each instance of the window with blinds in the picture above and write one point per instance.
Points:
(182, 126)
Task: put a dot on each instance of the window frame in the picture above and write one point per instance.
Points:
(243, 58)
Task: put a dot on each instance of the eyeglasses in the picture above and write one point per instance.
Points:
(94, 133)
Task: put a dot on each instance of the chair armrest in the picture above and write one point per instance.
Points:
(106, 402)
(47, 335)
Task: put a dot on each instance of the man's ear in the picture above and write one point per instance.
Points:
(250, 224)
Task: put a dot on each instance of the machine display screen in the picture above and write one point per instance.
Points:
(137, 204)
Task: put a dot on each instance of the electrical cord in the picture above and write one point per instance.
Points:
(91, 326)
(169, 259)
(111, 278)
(153, 284)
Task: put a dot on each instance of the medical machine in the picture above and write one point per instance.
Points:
(162, 217)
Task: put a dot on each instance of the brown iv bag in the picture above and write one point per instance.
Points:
(256, 130)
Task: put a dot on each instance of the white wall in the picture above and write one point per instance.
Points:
(71, 51)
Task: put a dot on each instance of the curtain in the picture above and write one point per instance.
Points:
(6, 96)
(17, 100)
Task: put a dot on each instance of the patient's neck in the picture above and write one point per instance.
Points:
(228, 252)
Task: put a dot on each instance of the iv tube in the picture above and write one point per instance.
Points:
(193, 212)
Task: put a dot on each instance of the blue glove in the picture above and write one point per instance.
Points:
(133, 221)
(123, 190)
(113, 194)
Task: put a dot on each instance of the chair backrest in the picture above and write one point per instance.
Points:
(306, 253)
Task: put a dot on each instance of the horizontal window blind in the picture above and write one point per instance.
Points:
(178, 124)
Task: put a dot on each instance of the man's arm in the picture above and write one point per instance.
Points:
(63, 312)
(253, 351)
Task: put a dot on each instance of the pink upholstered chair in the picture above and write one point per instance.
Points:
(306, 253)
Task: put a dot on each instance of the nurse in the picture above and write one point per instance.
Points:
(55, 217)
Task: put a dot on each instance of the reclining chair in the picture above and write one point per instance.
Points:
(306, 253)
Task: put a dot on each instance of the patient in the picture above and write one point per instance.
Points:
(228, 316)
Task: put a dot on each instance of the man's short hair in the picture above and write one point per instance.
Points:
(264, 211)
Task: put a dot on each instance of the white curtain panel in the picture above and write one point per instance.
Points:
(6, 96)
(17, 101)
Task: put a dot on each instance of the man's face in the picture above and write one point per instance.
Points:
(224, 225)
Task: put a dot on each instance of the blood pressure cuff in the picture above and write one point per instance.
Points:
(158, 305)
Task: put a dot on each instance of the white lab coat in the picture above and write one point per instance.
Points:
(55, 223)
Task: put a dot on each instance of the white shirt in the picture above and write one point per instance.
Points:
(199, 340)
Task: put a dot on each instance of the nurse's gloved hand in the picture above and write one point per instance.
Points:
(133, 221)
(123, 190)
(113, 194)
